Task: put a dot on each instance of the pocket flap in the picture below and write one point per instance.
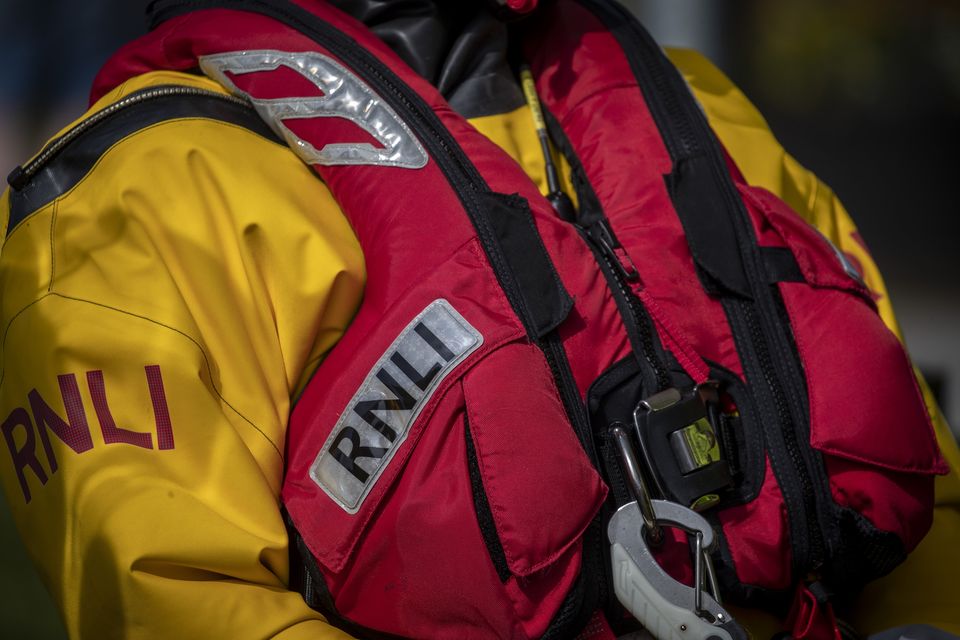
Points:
(541, 488)
(820, 261)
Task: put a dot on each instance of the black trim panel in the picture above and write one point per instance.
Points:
(544, 300)
(66, 169)
(536, 295)
(780, 265)
(762, 335)
(710, 236)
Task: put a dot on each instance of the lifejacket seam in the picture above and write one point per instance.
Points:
(343, 552)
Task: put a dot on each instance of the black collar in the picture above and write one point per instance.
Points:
(460, 47)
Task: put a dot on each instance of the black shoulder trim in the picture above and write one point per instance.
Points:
(68, 159)
(711, 238)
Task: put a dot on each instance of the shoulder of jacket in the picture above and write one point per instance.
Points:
(123, 116)
(722, 101)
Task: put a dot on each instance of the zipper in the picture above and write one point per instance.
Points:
(468, 183)
(620, 271)
(481, 507)
(463, 176)
(559, 366)
(22, 175)
(769, 359)
(615, 264)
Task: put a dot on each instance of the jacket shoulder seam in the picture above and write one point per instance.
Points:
(203, 352)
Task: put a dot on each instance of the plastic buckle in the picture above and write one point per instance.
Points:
(678, 440)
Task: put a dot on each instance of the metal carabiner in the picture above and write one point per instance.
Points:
(631, 468)
(665, 607)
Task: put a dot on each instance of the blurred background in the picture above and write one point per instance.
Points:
(864, 92)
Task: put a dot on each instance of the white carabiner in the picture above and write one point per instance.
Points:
(668, 609)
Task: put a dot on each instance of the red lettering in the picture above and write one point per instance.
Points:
(25, 456)
(161, 413)
(74, 432)
(112, 434)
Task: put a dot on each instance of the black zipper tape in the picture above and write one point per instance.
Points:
(594, 227)
(764, 342)
(481, 505)
(743, 435)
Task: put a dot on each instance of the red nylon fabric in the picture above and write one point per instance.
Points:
(758, 537)
(811, 620)
(495, 411)
(423, 547)
(839, 336)
(591, 91)
(674, 339)
(597, 629)
(899, 503)
(522, 6)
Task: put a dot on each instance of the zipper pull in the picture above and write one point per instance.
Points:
(562, 204)
(18, 178)
(601, 234)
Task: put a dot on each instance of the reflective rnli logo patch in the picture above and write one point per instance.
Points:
(378, 418)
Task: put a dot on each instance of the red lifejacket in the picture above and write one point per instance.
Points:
(450, 470)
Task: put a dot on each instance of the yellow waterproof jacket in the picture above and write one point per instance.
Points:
(161, 314)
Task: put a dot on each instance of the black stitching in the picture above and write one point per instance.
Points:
(203, 352)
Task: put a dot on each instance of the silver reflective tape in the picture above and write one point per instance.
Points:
(378, 417)
(842, 258)
(344, 96)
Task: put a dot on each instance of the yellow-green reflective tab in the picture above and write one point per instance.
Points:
(705, 502)
(695, 445)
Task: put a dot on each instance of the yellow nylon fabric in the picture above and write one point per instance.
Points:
(201, 248)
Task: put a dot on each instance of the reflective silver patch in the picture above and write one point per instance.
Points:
(848, 266)
(376, 421)
(344, 96)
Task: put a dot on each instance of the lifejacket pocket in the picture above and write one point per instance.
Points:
(866, 414)
(479, 532)
(542, 489)
(539, 486)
